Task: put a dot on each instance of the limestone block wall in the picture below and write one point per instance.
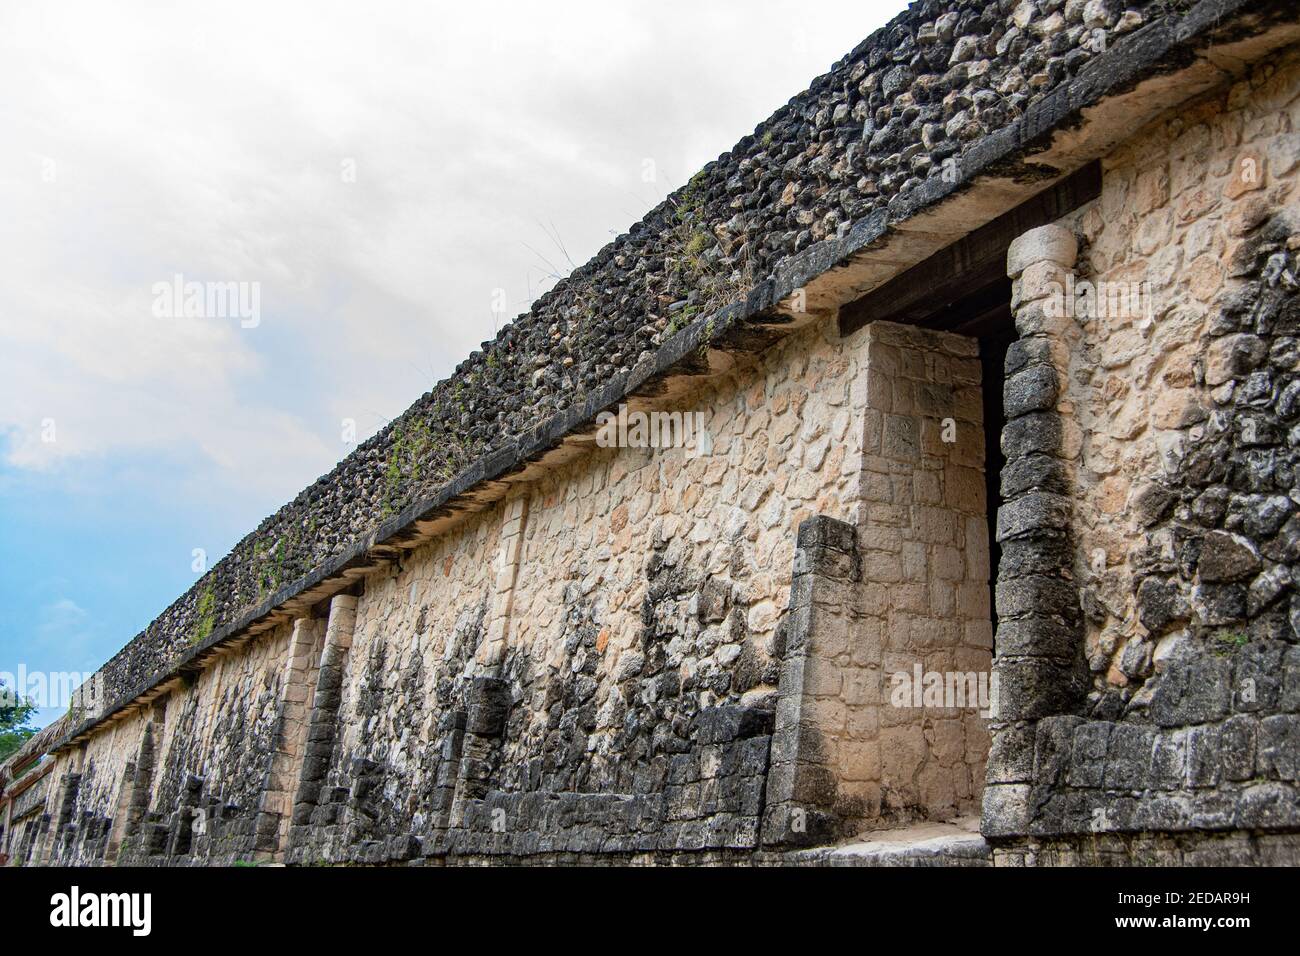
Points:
(25, 819)
(590, 665)
(1166, 510)
(619, 655)
(925, 598)
(216, 748)
(651, 651)
(891, 605)
(88, 788)
(188, 776)
(598, 662)
(903, 118)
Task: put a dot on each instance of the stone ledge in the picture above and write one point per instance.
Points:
(957, 843)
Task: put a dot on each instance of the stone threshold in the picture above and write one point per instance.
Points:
(953, 843)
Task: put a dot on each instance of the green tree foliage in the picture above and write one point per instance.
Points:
(15, 712)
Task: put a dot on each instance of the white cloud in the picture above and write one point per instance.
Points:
(209, 140)
(64, 637)
(62, 615)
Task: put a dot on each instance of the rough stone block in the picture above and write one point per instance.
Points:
(1088, 754)
(1034, 513)
(1034, 390)
(1128, 757)
(1050, 243)
(1193, 690)
(1005, 811)
(1237, 747)
(1037, 637)
(1279, 747)
(1037, 595)
(1030, 688)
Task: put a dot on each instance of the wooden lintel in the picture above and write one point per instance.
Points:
(971, 263)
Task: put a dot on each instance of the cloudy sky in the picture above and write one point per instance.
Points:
(380, 175)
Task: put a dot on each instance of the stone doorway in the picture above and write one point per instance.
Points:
(937, 688)
(905, 596)
(884, 718)
(887, 697)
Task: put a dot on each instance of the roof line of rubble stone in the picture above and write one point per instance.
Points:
(1163, 45)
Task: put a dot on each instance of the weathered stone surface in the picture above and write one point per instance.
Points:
(1006, 810)
(1034, 513)
(1231, 357)
(1045, 244)
(1195, 690)
(1227, 557)
(631, 653)
(1033, 390)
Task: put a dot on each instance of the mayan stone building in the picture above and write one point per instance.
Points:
(992, 339)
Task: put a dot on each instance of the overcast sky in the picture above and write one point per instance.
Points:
(379, 171)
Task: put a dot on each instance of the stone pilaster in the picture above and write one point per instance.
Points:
(6, 838)
(487, 702)
(120, 813)
(1039, 655)
(140, 786)
(322, 727)
(300, 670)
(59, 832)
(493, 649)
(802, 784)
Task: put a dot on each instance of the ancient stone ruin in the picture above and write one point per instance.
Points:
(985, 551)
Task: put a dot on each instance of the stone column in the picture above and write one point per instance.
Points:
(323, 725)
(272, 831)
(493, 649)
(120, 813)
(802, 783)
(487, 702)
(69, 786)
(140, 784)
(1039, 645)
(9, 825)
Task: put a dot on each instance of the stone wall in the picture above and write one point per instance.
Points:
(189, 774)
(25, 819)
(688, 654)
(901, 595)
(894, 123)
(668, 651)
(1162, 523)
(605, 681)
(608, 682)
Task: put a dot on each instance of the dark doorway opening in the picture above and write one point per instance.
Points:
(984, 314)
(993, 358)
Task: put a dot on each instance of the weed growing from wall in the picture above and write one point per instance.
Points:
(205, 614)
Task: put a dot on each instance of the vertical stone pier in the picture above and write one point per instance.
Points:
(1039, 657)
(301, 671)
(802, 786)
(323, 726)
